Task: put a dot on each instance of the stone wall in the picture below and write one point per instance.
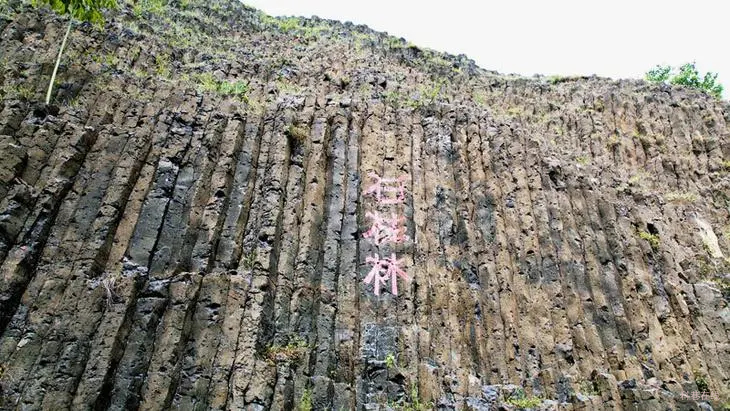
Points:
(170, 241)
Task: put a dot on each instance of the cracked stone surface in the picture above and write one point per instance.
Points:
(168, 244)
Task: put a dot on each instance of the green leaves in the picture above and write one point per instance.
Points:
(658, 74)
(239, 89)
(687, 76)
(83, 10)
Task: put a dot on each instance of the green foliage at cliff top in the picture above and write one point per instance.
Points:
(686, 75)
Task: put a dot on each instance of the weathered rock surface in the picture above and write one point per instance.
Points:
(168, 240)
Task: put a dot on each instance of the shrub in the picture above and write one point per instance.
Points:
(520, 400)
(299, 134)
(390, 361)
(658, 74)
(687, 75)
(651, 238)
(701, 383)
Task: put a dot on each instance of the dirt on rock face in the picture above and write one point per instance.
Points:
(191, 224)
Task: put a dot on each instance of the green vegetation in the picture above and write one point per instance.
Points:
(430, 93)
(83, 10)
(239, 89)
(392, 98)
(701, 383)
(299, 134)
(390, 360)
(555, 79)
(249, 260)
(305, 403)
(156, 7)
(514, 111)
(480, 99)
(645, 140)
(637, 178)
(687, 75)
(651, 238)
(678, 197)
(162, 61)
(292, 352)
(521, 400)
(285, 86)
(613, 142)
(286, 25)
(588, 388)
(20, 91)
(294, 25)
(658, 74)
(427, 94)
(413, 403)
(583, 160)
(5, 9)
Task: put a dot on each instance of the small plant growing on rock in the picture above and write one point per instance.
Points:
(521, 400)
(588, 388)
(677, 197)
(249, 260)
(305, 403)
(651, 238)
(392, 98)
(701, 383)
(299, 134)
(163, 65)
(430, 93)
(292, 352)
(414, 403)
(390, 360)
(480, 99)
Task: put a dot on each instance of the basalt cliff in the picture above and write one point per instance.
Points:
(214, 209)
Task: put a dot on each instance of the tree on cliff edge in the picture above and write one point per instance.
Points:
(83, 10)
(687, 75)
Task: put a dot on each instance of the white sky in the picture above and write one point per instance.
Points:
(618, 38)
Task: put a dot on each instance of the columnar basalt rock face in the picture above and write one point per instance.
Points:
(166, 242)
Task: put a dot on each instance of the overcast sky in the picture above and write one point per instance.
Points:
(618, 38)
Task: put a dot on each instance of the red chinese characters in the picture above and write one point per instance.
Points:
(386, 230)
(387, 191)
(383, 270)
